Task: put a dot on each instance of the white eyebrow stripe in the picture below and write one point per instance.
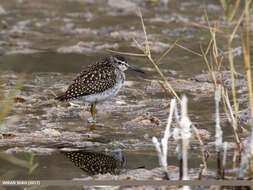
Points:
(123, 62)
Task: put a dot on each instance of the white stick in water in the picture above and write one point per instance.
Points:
(182, 134)
(218, 131)
(185, 124)
(162, 148)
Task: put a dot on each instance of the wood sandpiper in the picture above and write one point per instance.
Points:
(98, 82)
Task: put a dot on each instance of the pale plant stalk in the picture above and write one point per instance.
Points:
(249, 80)
(167, 134)
(215, 51)
(218, 132)
(169, 121)
(223, 4)
(233, 121)
(231, 14)
(178, 139)
(231, 63)
(202, 148)
(162, 148)
(185, 124)
(246, 55)
(210, 68)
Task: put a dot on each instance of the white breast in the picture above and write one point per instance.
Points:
(107, 94)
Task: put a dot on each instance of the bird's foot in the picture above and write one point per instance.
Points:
(91, 120)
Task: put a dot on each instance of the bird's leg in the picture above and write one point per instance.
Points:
(93, 115)
(93, 110)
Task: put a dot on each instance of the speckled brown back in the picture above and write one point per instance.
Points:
(95, 79)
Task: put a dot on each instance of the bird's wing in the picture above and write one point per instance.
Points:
(96, 79)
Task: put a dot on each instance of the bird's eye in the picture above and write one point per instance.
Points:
(120, 59)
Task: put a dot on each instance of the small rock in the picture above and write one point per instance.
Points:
(19, 100)
(121, 102)
(51, 132)
(145, 122)
(142, 121)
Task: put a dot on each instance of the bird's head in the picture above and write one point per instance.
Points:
(122, 63)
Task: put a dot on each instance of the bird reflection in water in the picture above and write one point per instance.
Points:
(97, 162)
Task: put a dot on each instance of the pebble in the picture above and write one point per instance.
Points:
(51, 132)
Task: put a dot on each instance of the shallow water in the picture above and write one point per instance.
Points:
(51, 41)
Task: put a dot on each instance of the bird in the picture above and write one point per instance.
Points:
(97, 162)
(98, 82)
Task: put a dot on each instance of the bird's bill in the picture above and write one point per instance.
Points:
(135, 69)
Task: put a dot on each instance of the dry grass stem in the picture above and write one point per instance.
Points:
(189, 50)
(166, 52)
(233, 122)
(209, 46)
(203, 26)
(202, 148)
(223, 4)
(210, 68)
(147, 48)
(231, 14)
(231, 63)
(246, 54)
